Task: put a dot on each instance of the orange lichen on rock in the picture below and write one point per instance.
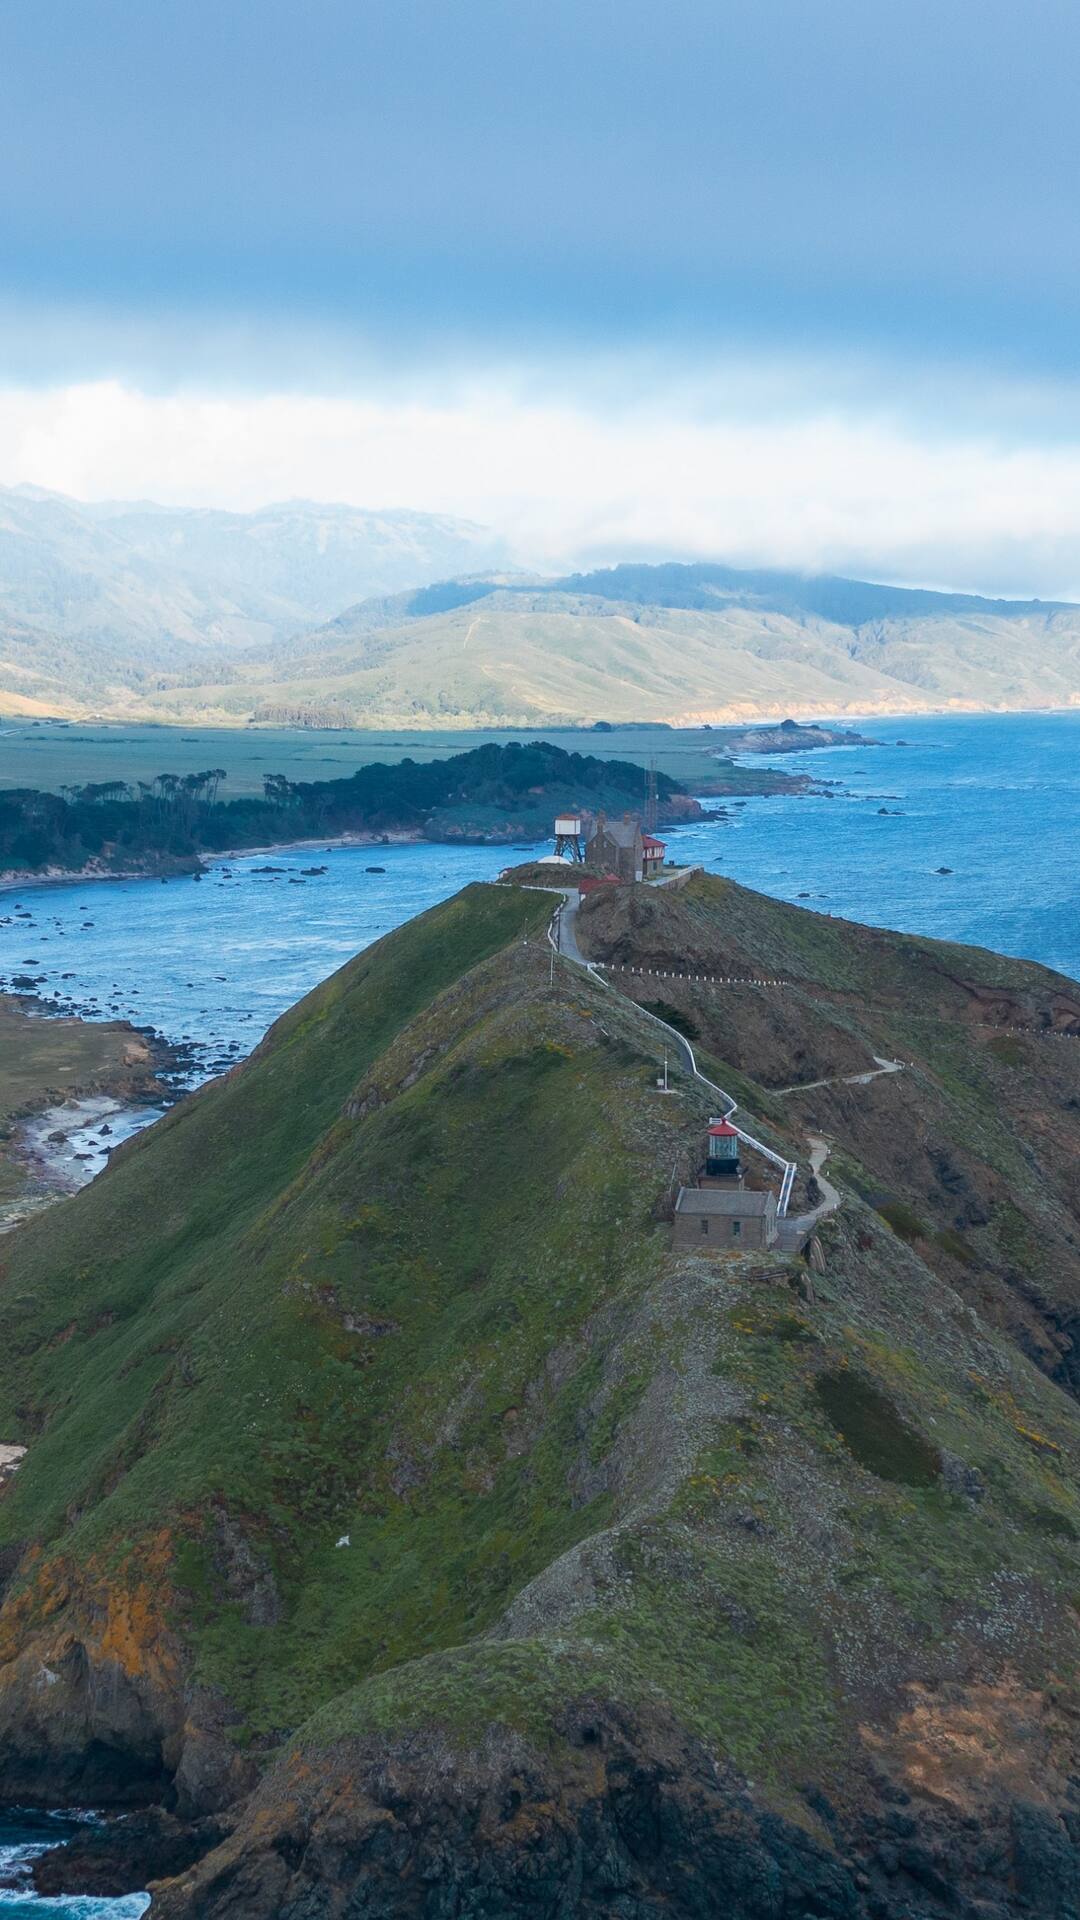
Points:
(118, 1620)
(975, 1745)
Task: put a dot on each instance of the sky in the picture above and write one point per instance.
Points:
(787, 281)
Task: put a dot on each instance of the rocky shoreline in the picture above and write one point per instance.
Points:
(193, 865)
(672, 814)
(58, 1133)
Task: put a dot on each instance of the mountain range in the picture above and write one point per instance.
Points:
(102, 603)
(327, 616)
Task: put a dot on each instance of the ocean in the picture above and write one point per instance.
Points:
(994, 799)
(24, 1834)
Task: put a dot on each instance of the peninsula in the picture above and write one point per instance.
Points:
(407, 1504)
(491, 794)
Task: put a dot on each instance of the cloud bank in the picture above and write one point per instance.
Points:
(668, 474)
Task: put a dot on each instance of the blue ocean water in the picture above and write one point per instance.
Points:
(994, 798)
(215, 961)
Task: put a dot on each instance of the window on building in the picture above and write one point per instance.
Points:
(704, 1224)
(736, 1229)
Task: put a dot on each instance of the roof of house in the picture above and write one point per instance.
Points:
(650, 840)
(624, 833)
(740, 1204)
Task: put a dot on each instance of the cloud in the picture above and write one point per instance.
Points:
(741, 466)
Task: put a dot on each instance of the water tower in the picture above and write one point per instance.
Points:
(569, 840)
(722, 1155)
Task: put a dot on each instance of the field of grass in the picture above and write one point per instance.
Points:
(49, 756)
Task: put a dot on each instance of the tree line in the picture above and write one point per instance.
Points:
(175, 817)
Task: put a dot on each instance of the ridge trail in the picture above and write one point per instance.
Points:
(562, 934)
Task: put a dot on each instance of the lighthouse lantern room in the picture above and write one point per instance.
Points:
(722, 1157)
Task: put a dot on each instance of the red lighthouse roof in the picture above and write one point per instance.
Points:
(720, 1130)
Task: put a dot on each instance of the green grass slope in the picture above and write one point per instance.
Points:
(392, 1482)
(970, 1150)
(247, 1339)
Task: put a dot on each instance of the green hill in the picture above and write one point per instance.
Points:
(560, 653)
(678, 644)
(396, 1497)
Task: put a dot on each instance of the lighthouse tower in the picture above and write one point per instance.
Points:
(722, 1162)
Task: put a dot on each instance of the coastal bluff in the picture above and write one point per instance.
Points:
(407, 1527)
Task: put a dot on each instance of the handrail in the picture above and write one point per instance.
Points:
(789, 1168)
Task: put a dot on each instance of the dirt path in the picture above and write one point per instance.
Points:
(846, 1079)
(797, 1227)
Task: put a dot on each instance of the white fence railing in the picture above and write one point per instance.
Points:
(788, 1168)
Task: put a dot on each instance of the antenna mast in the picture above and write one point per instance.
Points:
(650, 797)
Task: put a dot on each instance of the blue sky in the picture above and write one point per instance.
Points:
(772, 213)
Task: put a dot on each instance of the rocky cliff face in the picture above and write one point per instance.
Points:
(407, 1518)
(622, 1816)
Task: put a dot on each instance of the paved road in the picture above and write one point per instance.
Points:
(567, 931)
(794, 1228)
(568, 945)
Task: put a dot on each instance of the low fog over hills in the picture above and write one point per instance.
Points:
(130, 611)
(101, 602)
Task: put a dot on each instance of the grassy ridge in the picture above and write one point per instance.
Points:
(311, 1277)
(383, 1335)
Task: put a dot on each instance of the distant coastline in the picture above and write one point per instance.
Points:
(719, 720)
(489, 795)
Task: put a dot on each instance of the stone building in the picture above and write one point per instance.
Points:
(616, 846)
(620, 847)
(721, 1220)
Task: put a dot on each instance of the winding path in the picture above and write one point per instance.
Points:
(793, 1228)
(845, 1079)
(562, 934)
(796, 1228)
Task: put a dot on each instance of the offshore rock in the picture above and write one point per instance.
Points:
(121, 1855)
